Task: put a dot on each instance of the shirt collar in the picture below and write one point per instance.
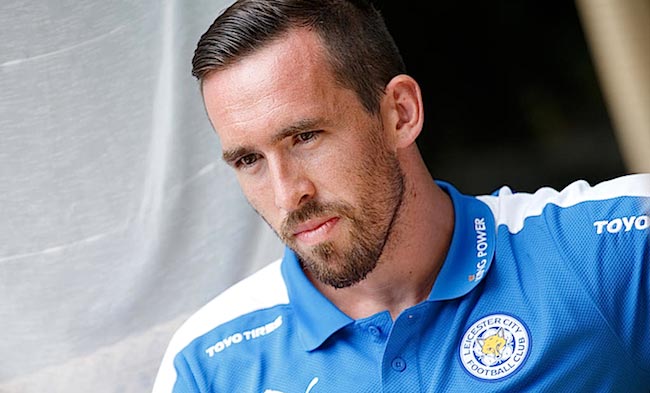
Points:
(467, 262)
(317, 317)
(472, 247)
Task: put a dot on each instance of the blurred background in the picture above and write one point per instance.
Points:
(511, 91)
(119, 220)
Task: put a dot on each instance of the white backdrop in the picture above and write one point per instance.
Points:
(118, 219)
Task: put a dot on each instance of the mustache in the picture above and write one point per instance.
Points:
(310, 210)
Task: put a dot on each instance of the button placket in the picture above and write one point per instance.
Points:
(374, 330)
(398, 364)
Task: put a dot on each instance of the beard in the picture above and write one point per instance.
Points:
(380, 184)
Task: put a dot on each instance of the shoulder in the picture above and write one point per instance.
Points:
(262, 290)
(598, 235)
(628, 194)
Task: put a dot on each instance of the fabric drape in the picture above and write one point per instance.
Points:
(118, 218)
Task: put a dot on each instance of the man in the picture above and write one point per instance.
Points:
(392, 281)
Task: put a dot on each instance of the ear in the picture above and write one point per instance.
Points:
(402, 110)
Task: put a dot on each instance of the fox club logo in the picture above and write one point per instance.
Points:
(494, 347)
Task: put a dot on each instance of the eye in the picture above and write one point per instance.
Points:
(306, 136)
(247, 161)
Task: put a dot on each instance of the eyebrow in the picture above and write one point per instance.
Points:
(300, 126)
(231, 155)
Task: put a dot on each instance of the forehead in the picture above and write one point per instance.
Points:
(287, 81)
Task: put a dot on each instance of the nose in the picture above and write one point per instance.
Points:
(291, 185)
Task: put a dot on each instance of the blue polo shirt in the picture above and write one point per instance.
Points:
(539, 292)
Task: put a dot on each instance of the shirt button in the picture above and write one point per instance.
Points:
(398, 364)
(374, 330)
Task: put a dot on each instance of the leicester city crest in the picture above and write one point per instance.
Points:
(494, 347)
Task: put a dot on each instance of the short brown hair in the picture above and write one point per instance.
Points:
(359, 47)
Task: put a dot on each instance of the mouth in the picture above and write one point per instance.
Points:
(315, 231)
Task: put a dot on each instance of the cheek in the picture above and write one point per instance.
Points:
(258, 195)
(349, 173)
(336, 171)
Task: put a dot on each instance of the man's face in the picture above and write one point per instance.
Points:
(312, 162)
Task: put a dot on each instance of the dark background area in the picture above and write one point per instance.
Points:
(510, 93)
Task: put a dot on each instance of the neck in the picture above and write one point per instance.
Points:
(413, 254)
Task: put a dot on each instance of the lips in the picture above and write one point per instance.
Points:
(315, 231)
